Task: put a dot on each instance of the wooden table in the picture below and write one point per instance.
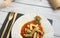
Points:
(33, 6)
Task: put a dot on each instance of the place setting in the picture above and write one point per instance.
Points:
(8, 24)
(35, 19)
(17, 25)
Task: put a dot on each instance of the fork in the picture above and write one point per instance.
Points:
(12, 25)
(9, 19)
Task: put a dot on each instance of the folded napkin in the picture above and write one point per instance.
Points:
(3, 26)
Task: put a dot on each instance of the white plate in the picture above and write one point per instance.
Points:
(49, 32)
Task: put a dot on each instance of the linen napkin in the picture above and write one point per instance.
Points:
(3, 26)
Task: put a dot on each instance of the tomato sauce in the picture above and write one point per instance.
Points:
(28, 23)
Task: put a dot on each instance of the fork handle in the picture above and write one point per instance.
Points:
(4, 29)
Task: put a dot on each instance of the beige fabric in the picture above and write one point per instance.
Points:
(55, 4)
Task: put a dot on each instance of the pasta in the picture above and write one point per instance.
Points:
(32, 29)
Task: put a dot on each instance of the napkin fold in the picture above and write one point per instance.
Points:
(3, 26)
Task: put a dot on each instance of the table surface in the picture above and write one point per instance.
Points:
(33, 6)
